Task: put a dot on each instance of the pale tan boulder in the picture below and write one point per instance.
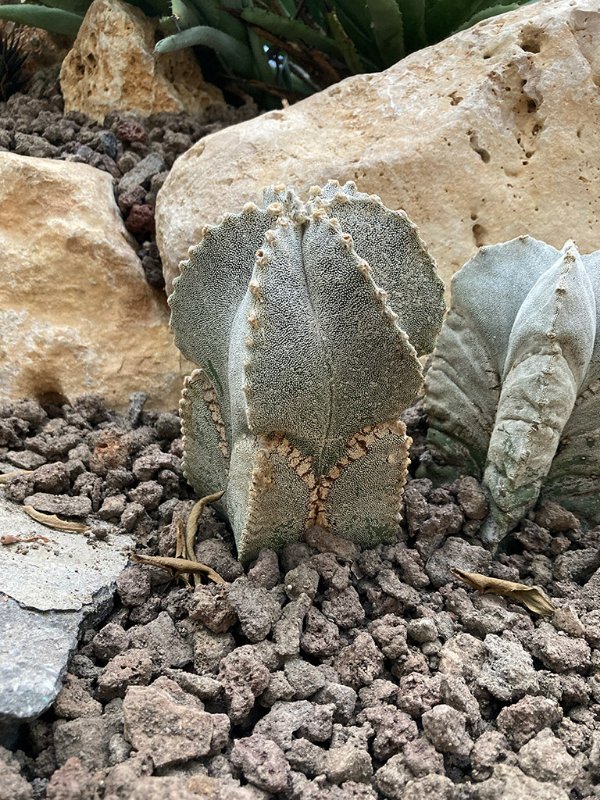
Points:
(492, 133)
(76, 313)
(112, 67)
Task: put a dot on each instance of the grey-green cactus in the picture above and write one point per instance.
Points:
(513, 392)
(305, 320)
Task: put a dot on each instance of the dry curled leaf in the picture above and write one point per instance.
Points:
(6, 476)
(532, 597)
(178, 566)
(52, 521)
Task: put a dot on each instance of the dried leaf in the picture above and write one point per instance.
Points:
(532, 597)
(6, 476)
(52, 521)
(178, 565)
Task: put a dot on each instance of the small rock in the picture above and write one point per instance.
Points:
(343, 607)
(359, 663)
(131, 668)
(265, 569)
(471, 498)
(489, 750)
(558, 652)
(262, 762)
(422, 630)
(60, 504)
(393, 729)
(320, 636)
(171, 725)
(507, 672)
(545, 758)
(72, 781)
(87, 738)
(288, 628)
(211, 606)
(110, 641)
(25, 459)
(303, 677)
(161, 639)
(74, 700)
(555, 518)
(243, 677)
(255, 608)
(459, 553)
(445, 727)
(347, 763)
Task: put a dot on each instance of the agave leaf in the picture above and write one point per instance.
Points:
(413, 14)
(236, 55)
(74, 6)
(388, 28)
(486, 13)
(291, 29)
(354, 18)
(532, 597)
(217, 17)
(54, 20)
(446, 16)
(263, 70)
(345, 44)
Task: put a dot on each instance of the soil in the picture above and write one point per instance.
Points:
(319, 672)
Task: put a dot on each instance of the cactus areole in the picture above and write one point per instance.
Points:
(306, 320)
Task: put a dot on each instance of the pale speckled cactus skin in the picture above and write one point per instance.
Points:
(305, 320)
(513, 391)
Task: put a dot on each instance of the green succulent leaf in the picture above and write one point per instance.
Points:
(388, 28)
(413, 14)
(290, 29)
(356, 23)
(486, 13)
(54, 20)
(346, 45)
(215, 15)
(238, 57)
(74, 6)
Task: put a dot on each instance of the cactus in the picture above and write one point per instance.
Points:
(305, 320)
(512, 394)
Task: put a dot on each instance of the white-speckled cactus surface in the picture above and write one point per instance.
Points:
(513, 390)
(305, 320)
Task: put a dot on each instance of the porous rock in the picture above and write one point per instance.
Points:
(511, 110)
(150, 710)
(76, 312)
(111, 67)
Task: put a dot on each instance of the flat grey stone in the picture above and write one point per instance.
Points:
(46, 591)
(62, 575)
(34, 650)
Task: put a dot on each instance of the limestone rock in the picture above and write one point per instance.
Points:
(76, 312)
(45, 603)
(488, 135)
(112, 67)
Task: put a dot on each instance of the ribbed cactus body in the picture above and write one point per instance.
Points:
(512, 392)
(305, 320)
